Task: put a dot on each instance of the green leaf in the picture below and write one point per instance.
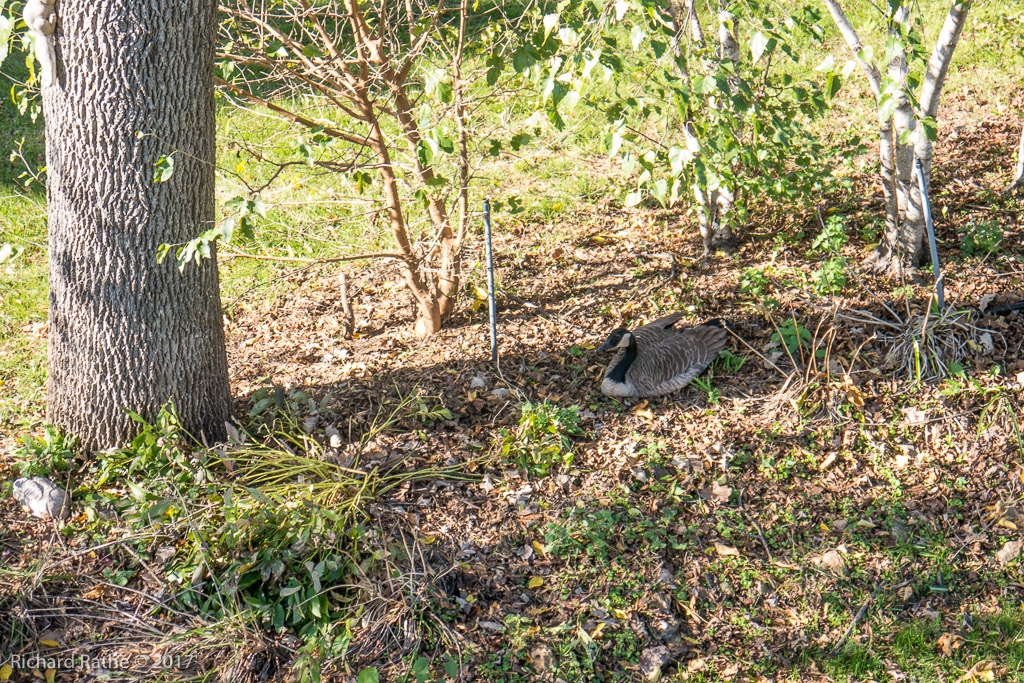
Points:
(550, 24)
(369, 676)
(519, 140)
(636, 36)
(758, 43)
(164, 168)
(931, 130)
(633, 198)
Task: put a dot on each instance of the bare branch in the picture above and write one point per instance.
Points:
(942, 55)
(853, 40)
(291, 116)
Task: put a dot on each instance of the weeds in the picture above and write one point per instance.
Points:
(981, 238)
(543, 437)
(44, 456)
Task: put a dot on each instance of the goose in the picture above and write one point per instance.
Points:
(656, 358)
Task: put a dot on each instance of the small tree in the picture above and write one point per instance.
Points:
(907, 98)
(713, 118)
(379, 97)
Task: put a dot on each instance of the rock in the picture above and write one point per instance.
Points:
(498, 393)
(333, 436)
(478, 382)
(542, 660)
(651, 662)
(42, 498)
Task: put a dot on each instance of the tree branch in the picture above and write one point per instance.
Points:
(942, 55)
(853, 40)
(291, 116)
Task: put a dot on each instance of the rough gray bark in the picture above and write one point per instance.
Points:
(134, 81)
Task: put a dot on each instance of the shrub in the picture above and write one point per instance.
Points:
(543, 437)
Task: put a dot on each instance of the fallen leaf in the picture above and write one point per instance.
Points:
(949, 642)
(641, 410)
(983, 671)
(725, 550)
(535, 582)
(5, 672)
(720, 492)
(1009, 551)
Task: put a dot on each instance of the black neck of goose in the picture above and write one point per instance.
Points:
(618, 371)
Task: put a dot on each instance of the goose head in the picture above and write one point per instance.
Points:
(618, 338)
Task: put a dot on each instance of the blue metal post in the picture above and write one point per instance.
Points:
(926, 205)
(490, 282)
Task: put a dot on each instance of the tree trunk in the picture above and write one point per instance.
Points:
(902, 245)
(1018, 175)
(134, 82)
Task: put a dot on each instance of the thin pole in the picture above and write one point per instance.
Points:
(490, 282)
(936, 268)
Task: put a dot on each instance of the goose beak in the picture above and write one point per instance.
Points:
(604, 347)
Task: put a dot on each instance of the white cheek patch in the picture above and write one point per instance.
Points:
(624, 342)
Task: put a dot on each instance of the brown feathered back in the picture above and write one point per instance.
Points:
(667, 359)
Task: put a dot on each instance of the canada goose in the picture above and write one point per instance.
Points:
(656, 359)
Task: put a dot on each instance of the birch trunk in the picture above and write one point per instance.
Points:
(1018, 175)
(902, 246)
(135, 82)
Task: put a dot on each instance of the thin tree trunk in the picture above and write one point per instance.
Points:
(729, 50)
(135, 82)
(902, 244)
(1018, 175)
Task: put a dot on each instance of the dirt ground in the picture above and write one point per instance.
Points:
(799, 515)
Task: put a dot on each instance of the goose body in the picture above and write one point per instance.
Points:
(657, 359)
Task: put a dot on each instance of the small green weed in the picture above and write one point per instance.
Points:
(831, 277)
(795, 337)
(980, 238)
(543, 437)
(754, 281)
(832, 237)
(44, 456)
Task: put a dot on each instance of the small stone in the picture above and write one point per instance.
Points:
(830, 560)
(498, 393)
(42, 498)
(900, 532)
(492, 626)
(478, 382)
(652, 660)
(333, 436)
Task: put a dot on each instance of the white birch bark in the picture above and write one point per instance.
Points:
(1018, 176)
(902, 246)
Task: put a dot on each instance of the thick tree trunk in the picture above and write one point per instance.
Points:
(134, 82)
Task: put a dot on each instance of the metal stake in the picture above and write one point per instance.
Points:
(490, 282)
(926, 205)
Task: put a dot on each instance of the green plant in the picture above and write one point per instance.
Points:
(832, 237)
(980, 238)
(543, 437)
(796, 338)
(729, 361)
(37, 457)
(831, 277)
(704, 384)
(753, 282)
